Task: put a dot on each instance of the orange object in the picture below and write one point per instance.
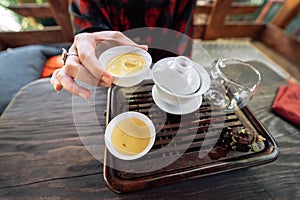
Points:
(50, 65)
(287, 103)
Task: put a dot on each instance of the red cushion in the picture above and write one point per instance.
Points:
(50, 65)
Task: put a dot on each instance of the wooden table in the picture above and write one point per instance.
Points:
(42, 155)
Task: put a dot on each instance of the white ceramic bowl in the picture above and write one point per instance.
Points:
(127, 80)
(133, 129)
(168, 86)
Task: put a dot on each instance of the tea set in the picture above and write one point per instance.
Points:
(180, 84)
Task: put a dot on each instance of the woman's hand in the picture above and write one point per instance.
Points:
(86, 67)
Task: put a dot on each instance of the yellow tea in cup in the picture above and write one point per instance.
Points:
(130, 136)
(126, 64)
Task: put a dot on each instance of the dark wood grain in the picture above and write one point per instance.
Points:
(237, 8)
(32, 10)
(16, 39)
(281, 42)
(60, 12)
(43, 157)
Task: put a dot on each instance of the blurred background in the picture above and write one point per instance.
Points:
(11, 21)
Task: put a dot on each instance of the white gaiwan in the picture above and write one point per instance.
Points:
(177, 75)
(179, 80)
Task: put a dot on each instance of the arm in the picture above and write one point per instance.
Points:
(85, 67)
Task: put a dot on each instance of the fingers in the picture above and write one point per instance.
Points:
(86, 45)
(75, 69)
(64, 78)
(86, 67)
(56, 84)
(117, 37)
(61, 80)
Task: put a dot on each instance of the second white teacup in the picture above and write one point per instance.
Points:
(130, 135)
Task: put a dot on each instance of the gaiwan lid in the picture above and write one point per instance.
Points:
(177, 75)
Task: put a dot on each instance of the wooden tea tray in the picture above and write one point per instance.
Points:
(175, 155)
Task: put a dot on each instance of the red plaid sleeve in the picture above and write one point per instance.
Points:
(123, 15)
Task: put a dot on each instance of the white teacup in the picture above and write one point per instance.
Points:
(130, 135)
(126, 80)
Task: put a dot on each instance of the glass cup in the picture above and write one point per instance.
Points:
(233, 84)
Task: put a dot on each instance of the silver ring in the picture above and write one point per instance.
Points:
(65, 55)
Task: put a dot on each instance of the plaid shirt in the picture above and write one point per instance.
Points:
(123, 15)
